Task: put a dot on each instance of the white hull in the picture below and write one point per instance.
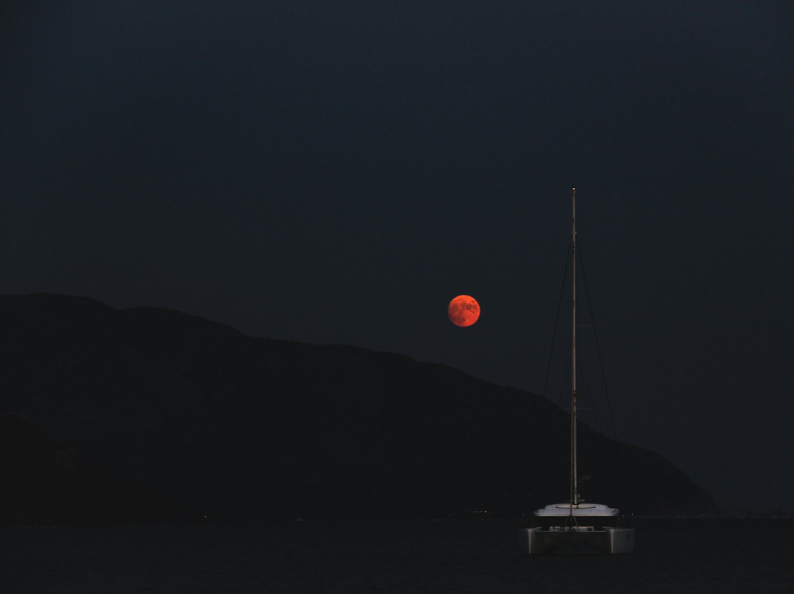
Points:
(610, 541)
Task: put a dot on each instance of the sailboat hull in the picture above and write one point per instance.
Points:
(609, 541)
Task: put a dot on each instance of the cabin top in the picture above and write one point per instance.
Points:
(582, 509)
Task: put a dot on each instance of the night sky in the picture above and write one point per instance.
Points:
(336, 172)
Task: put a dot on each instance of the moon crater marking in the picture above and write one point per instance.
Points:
(463, 310)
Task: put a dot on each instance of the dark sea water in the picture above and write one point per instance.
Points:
(456, 556)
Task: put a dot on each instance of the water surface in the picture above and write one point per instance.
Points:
(450, 556)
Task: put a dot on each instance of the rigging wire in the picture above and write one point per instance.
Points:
(557, 319)
(589, 397)
(598, 347)
(558, 397)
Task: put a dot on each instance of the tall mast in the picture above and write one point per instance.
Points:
(574, 475)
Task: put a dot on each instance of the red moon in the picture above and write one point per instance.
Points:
(463, 310)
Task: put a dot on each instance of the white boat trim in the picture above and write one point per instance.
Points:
(581, 509)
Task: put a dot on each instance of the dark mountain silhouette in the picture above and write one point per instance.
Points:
(44, 482)
(165, 416)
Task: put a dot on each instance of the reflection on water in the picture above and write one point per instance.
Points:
(459, 556)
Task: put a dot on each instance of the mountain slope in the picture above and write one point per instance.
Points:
(236, 427)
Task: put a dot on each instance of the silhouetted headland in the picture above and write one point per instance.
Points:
(147, 414)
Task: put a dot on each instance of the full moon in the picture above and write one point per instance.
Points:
(463, 310)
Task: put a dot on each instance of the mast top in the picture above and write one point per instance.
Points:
(573, 205)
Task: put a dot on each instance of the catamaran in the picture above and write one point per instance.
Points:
(566, 526)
